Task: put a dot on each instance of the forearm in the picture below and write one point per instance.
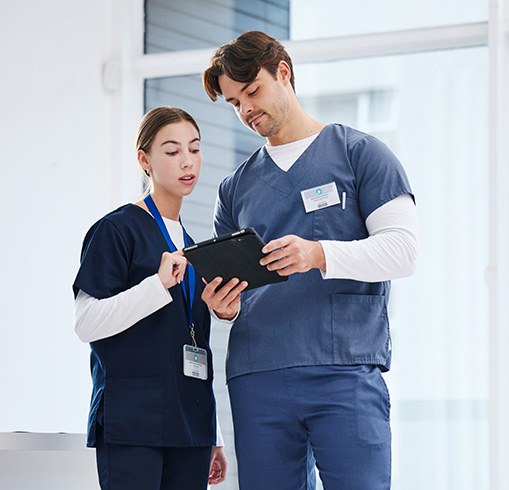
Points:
(96, 319)
(390, 252)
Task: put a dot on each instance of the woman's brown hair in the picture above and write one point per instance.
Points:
(156, 119)
(242, 58)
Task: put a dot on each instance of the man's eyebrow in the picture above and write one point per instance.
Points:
(243, 89)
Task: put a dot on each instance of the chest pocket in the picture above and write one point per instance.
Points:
(338, 222)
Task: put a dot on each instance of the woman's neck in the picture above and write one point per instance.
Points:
(168, 206)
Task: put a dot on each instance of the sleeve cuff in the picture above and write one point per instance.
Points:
(156, 288)
(327, 253)
(221, 320)
(219, 434)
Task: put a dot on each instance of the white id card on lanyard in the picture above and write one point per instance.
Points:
(195, 362)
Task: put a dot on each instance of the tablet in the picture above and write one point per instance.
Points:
(237, 255)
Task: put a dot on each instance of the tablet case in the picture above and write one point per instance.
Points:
(237, 255)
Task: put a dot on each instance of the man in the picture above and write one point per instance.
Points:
(305, 356)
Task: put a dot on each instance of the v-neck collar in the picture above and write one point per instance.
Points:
(267, 169)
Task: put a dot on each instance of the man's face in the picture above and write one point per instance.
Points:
(261, 105)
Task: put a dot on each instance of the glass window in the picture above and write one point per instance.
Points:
(326, 18)
(431, 109)
(174, 25)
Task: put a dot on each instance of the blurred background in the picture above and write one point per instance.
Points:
(429, 78)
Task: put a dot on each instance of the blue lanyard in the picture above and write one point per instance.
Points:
(189, 270)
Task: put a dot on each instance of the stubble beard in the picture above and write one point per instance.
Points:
(272, 124)
(274, 119)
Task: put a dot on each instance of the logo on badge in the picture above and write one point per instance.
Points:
(318, 191)
(195, 358)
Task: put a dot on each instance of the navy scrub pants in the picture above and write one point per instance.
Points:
(122, 467)
(287, 419)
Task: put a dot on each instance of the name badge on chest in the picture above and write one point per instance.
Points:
(195, 362)
(320, 197)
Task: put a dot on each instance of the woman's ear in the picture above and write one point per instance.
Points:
(144, 161)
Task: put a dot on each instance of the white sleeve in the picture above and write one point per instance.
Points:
(219, 434)
(96, 319)
(390, 251)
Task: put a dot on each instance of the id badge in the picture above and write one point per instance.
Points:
(195, 362)
(321, 197)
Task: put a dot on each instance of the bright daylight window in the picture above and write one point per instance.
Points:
(436, 123)
(432, 111)
(330, 18)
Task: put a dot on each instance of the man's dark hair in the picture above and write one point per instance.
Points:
(242, 58)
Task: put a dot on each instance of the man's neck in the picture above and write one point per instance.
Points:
(298, 125)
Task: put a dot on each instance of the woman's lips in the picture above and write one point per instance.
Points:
(188, 179)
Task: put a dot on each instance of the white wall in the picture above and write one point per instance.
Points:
(56, 180)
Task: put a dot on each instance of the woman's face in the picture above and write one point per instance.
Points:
(174, 159)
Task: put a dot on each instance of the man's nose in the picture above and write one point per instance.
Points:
(245, 108)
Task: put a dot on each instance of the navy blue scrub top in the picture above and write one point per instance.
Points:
(138, 373)
(309, 321)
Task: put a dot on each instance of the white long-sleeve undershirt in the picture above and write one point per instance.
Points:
(96, 319)
(389, 252)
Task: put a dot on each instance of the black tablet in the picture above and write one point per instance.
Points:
(237, 255)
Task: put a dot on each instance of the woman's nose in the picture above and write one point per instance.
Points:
(186, 161)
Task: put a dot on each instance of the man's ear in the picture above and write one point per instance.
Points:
(284, 72)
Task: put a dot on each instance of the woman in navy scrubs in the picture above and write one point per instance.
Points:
(138, 302)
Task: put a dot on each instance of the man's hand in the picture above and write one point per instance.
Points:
(291, 254)
(226, 301)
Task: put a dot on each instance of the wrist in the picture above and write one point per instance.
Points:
(224, 316)
(166, 283)
(319, 260)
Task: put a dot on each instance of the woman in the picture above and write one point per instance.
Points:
(152, 417)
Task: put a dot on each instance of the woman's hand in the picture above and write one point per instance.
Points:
(226, 301)
(218, 466)
(172, 268)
